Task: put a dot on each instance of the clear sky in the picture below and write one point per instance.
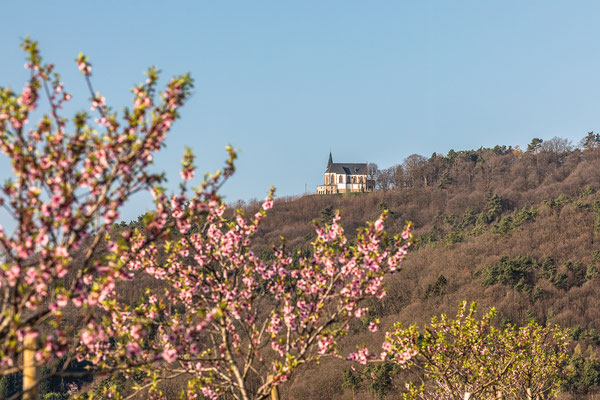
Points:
(286, 82)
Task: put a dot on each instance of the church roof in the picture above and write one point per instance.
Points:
(347, 168)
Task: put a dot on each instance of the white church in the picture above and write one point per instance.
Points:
(345, 178)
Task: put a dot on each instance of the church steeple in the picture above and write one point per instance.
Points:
(330, 160)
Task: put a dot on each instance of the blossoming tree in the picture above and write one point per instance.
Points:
(244, 324)
(70, 179)
(468, 358)
(226, 320)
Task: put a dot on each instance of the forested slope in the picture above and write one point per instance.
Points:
(511, 229)
(517, 230)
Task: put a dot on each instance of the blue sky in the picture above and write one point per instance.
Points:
(286, 82)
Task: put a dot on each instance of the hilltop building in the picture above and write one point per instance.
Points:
(346, 177)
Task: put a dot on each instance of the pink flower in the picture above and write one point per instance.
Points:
(268, 204)
(406, 233)
(360, 312)
(373, 326)
(378, 224)
(324, 344)
(61, 251)
(27, 98)
(98, 102)
(110, 216)
(208, 392)
(187, 174)
(169, 355)
(84, 67)
(56, 200)
(361, 356)
(87, 338)
(62, 300)
(133, 349)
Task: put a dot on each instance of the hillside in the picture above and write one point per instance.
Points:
(516, 230)
(511, 229)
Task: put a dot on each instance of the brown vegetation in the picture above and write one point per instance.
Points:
(538, 209)
(519, 231)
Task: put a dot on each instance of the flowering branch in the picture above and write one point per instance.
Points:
(235, 323)
(64, 197)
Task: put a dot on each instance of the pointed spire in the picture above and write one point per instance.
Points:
(330, 160)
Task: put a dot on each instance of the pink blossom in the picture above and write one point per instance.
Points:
(61, 251)
(169, 355)
(268, 204)
(133, 349)
(98, 102)
(84, 67)
(325, 342)
(187, 174)
(373, 326)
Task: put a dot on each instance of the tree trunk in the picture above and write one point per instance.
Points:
(30, 377)
(274, 393)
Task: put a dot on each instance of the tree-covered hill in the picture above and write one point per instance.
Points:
(511, 229)
(517, 230)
